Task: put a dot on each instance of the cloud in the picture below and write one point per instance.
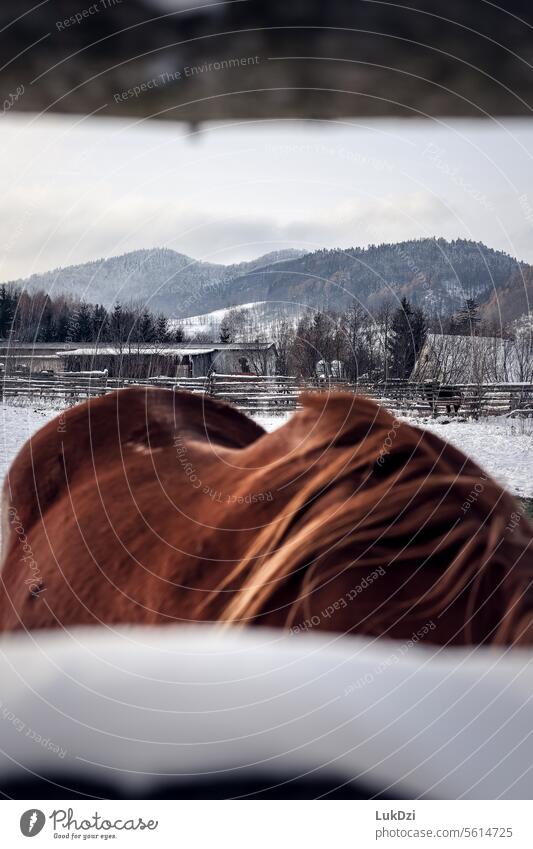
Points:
(46, 227)
(77, 192)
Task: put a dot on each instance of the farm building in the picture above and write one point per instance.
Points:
(31, 356)
(142, 361)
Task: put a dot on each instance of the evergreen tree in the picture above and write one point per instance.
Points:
(72, 329)
(406, 338)
(161, 329)
(46, 329)
(8, 301)
(100, 323)
(130, 325)
(419, 326)
(84, 324)
(116, 324)
(147, 330)
(62, 325)
(179, 334)
(321, 338)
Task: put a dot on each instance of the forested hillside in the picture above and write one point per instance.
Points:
(162, 279)
(432, 273)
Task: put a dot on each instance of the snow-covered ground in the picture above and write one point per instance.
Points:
(503, 447)
(17, 423)
(256, 318)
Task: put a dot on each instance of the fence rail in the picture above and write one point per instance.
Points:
(250, 393)
(271, 394)
(60, 386)
(466, 399)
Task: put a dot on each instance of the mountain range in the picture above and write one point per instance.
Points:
(434, 273)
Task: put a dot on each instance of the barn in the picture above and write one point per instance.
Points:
(31, 356)
(178, 360)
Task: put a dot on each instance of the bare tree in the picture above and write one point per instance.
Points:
(283, 335)
(522, 334)
(384, 318)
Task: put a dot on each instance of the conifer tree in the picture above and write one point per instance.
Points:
(147, 331)
(161, 329)
(84, 325)
(406, 339)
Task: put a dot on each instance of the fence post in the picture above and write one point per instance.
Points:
(210, 384)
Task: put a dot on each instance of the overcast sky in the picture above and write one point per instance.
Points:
(76, 189)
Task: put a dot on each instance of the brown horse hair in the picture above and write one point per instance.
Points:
(429, 481)
(356, 493)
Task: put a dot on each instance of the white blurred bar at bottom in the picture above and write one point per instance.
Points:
(264, 824)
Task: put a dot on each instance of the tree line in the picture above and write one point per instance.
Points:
(38, 317)
(386, 343)
(354, 344)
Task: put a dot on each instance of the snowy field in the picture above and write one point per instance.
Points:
(503, 447)
(16, 425)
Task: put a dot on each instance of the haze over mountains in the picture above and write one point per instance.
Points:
(434, 273)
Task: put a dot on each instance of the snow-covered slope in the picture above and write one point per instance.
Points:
(248, 321)
(209, 322)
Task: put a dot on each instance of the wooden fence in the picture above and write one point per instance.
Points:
(65, 387)
(279, 394)
(250, 393)
(465, 399)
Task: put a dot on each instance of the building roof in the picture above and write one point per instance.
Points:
(32, 356)
(16, 346)
(134, 351)
(164, 350)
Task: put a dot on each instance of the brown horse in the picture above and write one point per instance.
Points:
(152, 506)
